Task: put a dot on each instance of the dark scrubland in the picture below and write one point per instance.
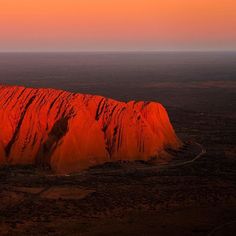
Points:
(141, 198)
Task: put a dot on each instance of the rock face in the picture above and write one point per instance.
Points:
(70, 132)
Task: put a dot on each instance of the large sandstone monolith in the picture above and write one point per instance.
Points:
(70, 132)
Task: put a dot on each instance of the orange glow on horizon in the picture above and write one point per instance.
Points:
(116, 23)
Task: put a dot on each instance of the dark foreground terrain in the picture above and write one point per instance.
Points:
(192, 198)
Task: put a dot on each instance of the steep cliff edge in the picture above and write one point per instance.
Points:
(70, 132)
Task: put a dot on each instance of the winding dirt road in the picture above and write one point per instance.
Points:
(132, 169)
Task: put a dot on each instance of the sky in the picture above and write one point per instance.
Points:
(117, 25)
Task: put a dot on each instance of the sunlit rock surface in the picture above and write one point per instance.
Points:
(70, 132)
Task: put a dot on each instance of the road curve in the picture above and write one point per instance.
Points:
(203, 151)
(153, 168)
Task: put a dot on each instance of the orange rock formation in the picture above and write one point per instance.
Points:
(70, 132)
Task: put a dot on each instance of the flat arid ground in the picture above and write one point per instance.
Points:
(193, 194)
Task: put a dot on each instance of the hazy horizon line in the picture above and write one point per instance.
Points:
(120, 51)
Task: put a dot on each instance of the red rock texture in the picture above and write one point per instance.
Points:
(70, 132)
